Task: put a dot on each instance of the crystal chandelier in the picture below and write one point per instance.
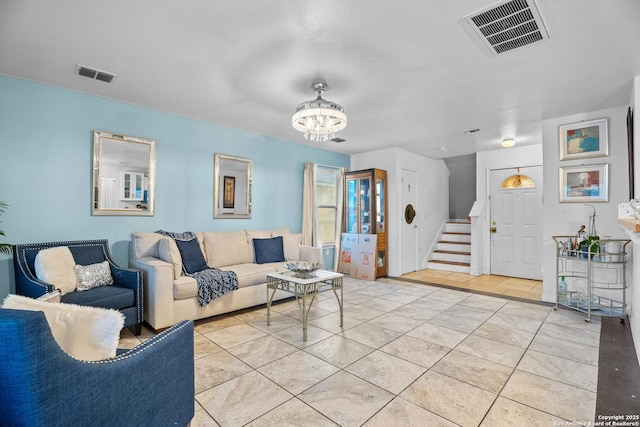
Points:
(319, 119)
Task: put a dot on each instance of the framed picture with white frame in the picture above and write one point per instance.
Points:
(584, 183)
(583, 139)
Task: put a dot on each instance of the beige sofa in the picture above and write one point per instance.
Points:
(170, 297)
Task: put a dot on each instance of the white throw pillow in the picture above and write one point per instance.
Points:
(291, 243)
(57, 267)
(85, 333)
(145, 244)
(170, 253)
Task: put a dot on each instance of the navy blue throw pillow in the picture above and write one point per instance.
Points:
(192, 258)
(268, 250)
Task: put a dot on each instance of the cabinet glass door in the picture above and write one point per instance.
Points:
(380, 203)
(138, 186)
(352, 206)
(365, 205)
(127, 186)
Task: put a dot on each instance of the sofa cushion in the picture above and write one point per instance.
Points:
(185, 287)
(57, 267)
(192, 257)
(291, 243)
(114, 297)
(268, 250)
(145, 244)
(94, 275)
(86, 333)
(251, 274)
(170, 253)
(227, 248)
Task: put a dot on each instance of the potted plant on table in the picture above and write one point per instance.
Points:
(586, 246)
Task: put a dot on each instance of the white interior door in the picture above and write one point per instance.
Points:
(409, 231)
(516, 225)
(108, 193)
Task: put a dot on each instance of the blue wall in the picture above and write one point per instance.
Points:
(45, 170)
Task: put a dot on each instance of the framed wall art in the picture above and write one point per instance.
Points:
(229, 200)
(584, 183)
(583, 139)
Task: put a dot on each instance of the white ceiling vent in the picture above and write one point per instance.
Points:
(93, 73)
(508, 24)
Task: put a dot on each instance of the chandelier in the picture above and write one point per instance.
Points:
(319, 119)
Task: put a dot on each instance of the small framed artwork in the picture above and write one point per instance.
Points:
(585, 183)
(229, 199)
(583, 139)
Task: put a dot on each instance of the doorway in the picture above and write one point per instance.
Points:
(515, 218)
(409, 221)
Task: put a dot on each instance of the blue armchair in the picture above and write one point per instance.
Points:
(125, 295)
(150, 385)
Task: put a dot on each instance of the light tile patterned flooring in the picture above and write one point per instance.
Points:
(408, 355)
(502, 285)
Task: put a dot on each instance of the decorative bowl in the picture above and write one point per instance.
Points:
(303, 267)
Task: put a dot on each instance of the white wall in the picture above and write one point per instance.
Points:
(530, 155)
(566, 218)
(433, 198)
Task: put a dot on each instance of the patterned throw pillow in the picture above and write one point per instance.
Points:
(94, 275)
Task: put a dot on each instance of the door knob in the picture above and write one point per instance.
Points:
(493, 230)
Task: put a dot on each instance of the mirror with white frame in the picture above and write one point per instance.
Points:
(124, 169)
(232, 187)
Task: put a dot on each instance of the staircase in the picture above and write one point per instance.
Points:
(453, 251)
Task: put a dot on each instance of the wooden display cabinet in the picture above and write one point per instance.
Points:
(365, 210)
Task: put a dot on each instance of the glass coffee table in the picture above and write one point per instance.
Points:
(305, 287)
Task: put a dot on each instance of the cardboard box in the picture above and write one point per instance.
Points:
(358, 256)
(348, 245)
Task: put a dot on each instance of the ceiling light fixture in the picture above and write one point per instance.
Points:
(319, 119)
(508, 143)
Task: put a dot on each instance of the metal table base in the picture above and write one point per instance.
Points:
(304, 288)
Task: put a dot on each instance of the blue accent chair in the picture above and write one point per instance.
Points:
(125, 295)
(149, 385)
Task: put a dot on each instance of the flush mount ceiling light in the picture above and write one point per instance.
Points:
(508, 143)
(319, 119)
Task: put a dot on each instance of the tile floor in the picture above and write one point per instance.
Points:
(502, 285)
(408, 355)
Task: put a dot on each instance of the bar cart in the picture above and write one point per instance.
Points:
(592, 279)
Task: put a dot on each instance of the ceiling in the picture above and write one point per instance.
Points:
(409, 74)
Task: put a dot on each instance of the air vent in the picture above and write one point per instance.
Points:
(508, 25)
(93, 73)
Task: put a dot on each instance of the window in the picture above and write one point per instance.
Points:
(326, 182)
(516, 182)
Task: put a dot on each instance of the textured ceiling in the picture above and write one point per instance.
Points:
(409, 74)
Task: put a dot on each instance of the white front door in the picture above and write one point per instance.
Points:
(516, 225)
(409, 229)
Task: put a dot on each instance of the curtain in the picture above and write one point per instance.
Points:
(339, 214)
(310, 228)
